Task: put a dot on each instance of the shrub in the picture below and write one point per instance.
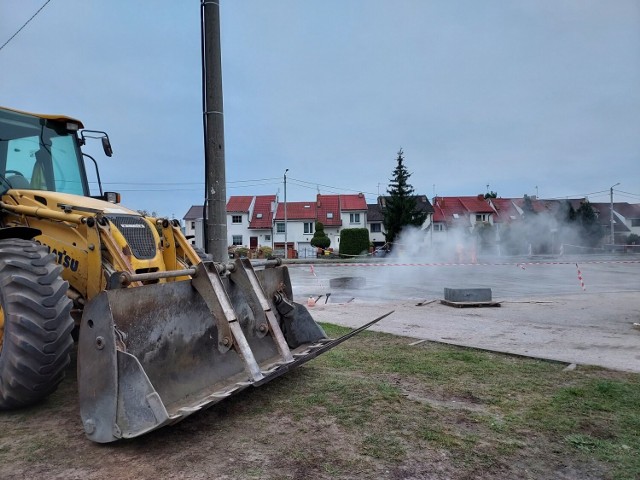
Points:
(241, 252)
(354, 241)
(320, 239)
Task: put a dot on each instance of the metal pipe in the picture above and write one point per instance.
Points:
(127, 278)
(276, 262)
(40, 212)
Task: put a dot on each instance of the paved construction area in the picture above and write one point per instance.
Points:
(544, 312)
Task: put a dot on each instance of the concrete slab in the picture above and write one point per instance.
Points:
(576, 329)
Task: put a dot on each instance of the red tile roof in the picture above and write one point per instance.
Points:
(457, 210)
(506, 211)
(263, 209)
(353, 202)
(452, 211)
(438, 214)
(540, 206)
(297, 211)
(239, 204)
(475, 204)
(329, 204)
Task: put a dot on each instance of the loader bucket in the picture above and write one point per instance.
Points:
(151, 355)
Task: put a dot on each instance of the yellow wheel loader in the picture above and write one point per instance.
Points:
(161, 333)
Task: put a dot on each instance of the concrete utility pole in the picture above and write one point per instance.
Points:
(613, 238)
(286, 247)
(213, 119)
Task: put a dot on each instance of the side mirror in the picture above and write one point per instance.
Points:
(106, 146)
(106, 143)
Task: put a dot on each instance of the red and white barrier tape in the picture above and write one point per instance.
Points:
(580, 278)
(452, 264)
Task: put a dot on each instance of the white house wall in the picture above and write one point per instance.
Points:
(241, 228)
(265, 237)
(334, 235)
(346, 219)
(295, 232)
(194, 228)
(376, 236)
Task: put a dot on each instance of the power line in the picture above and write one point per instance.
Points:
(624, 195)
(178, 189)
(270, 180)
(315, 184)
(25, 24)
(627, 193)
(578, 195)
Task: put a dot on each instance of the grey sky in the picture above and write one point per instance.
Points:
(516, 95)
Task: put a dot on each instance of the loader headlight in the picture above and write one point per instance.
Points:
(112, 197)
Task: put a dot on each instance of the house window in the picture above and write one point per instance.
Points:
(354, 218)
(258, 215)
(438, 227)
(237, 239)
(279, 227)
(308, 227)
(376, 228)
(236, 218)
(481, 217)
(193, 225)
(329, 214)
(635, 222)
(267, 238)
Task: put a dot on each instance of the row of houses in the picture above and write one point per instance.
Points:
(255, 221)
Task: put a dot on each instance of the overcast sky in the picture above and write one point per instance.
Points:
(530, 96)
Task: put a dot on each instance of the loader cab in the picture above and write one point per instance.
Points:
(41, 153)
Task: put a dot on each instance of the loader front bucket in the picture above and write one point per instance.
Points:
(151, 355)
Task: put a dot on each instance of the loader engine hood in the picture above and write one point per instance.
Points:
(67, 202)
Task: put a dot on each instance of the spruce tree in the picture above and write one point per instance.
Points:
(590, 229)
(401, 205)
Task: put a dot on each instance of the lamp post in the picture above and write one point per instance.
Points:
(285, 215)
(613, 238)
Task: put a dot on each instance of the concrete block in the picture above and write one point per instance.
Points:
(467, 294)
(348, 282)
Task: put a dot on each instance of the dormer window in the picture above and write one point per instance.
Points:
(258, 215)
(329, 214)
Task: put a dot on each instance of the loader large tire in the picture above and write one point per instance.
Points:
(35, 323)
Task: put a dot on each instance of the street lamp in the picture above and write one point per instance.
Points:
(613, 238)
(285, 214)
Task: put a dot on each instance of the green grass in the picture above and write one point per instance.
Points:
(376, 407)
(484, 410)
